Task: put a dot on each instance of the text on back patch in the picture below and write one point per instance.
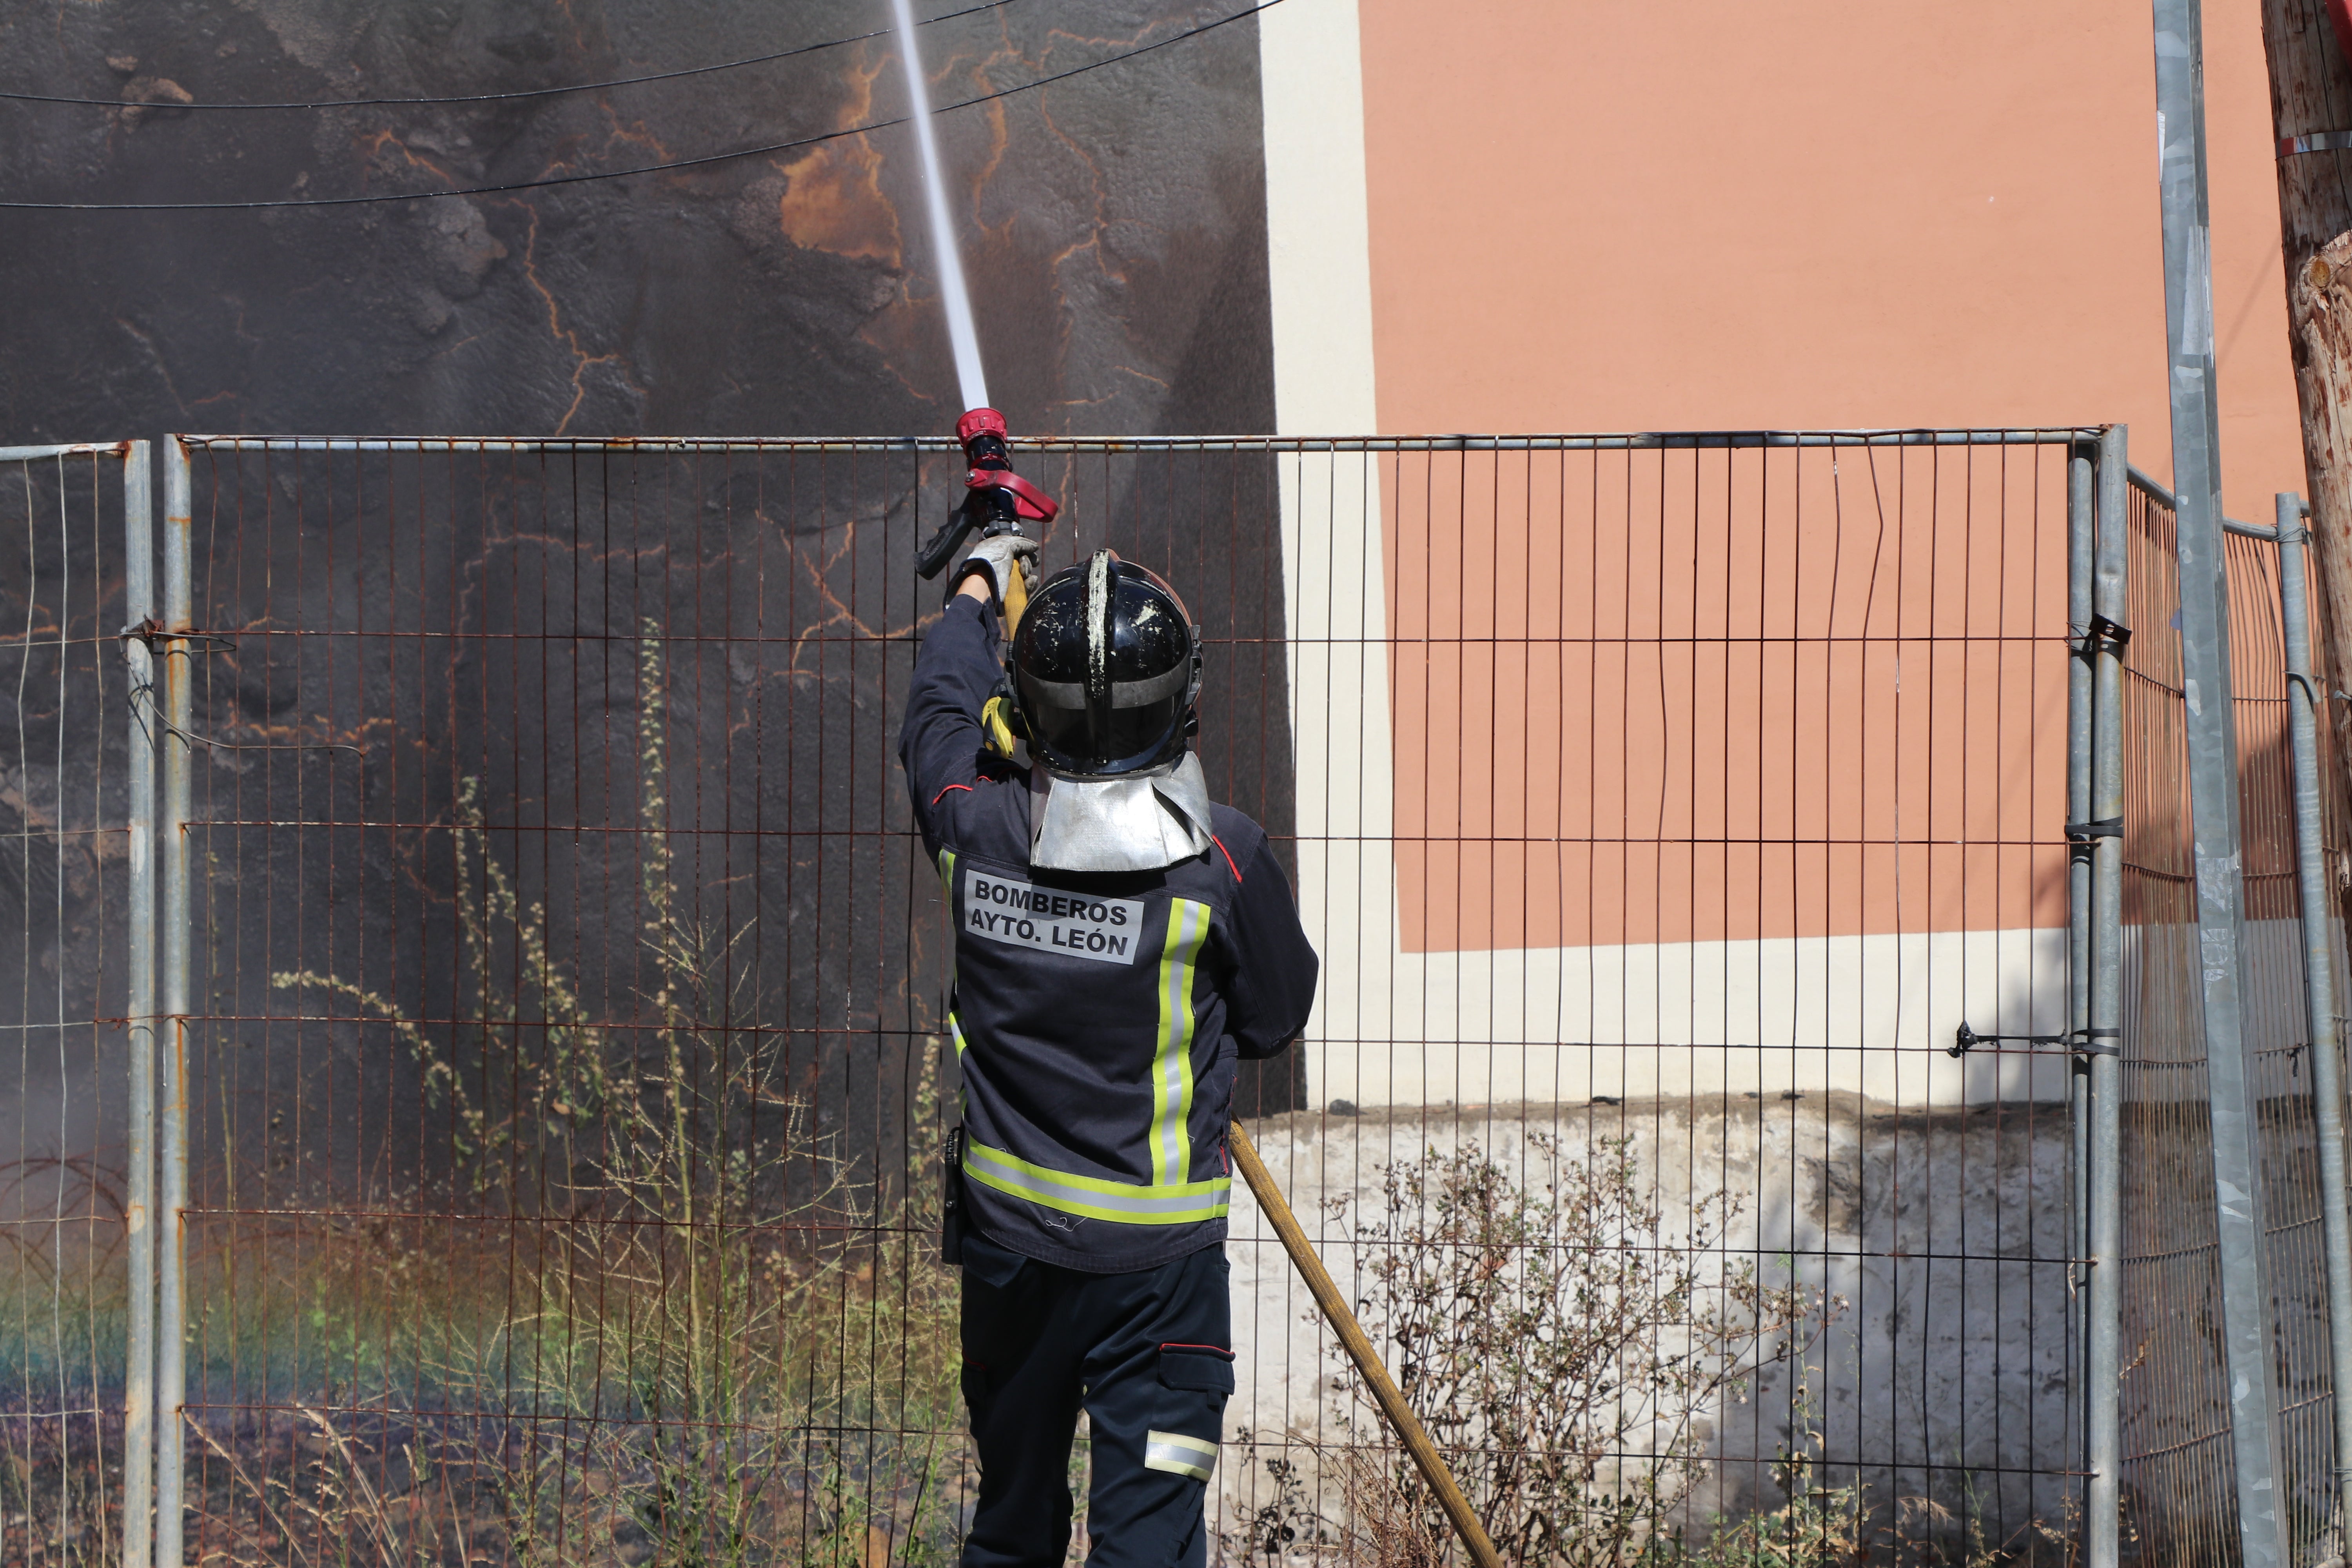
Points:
(1014, 913)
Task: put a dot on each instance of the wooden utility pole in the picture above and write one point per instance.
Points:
(2309, 46)
(2311, 108)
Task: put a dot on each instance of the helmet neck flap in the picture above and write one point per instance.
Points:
(1137, 822)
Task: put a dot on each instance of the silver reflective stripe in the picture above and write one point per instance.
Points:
(1183, 1455)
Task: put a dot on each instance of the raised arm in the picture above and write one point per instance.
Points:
(941, 741)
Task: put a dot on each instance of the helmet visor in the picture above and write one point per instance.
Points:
(1143, 718)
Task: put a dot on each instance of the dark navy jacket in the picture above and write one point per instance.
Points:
(1097, 1015)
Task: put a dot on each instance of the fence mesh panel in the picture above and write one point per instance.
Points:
(2180, 1493)
(570, 988)
(2278, 1039)
(573, 989)
(64, 852)
(2177, 1486)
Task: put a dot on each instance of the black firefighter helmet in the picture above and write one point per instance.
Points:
(1105, 668)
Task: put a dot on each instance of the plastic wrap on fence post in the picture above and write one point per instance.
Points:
(139, 1196)
(172, 1174)
(2212, 770)
(2319, 978)
(2102, 1353)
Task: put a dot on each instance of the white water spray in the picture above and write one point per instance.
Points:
(960, 330)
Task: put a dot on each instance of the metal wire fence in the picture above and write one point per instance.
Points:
(569, 1021)
(1691, 1107)
(1700, 851)
(66, 1196)
(2181, 1497)
(562, 1061)
(2278, 1047)
(2178, 1481)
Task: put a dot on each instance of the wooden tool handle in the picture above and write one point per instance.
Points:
(1360, 1350)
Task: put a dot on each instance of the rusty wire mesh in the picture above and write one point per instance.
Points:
(2179, 1495)
(568, 985)
(63, 855)
(2177, 1477)
(2278, 1043)
(570, 1054)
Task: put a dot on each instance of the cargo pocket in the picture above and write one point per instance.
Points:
(1195, 1381)
(998, 1323)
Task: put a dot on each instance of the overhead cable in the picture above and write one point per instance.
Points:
(675, 163)
(497, 96)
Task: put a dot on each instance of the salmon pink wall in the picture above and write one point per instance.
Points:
(1672, 697)
(1587, 215)
(1788, 214)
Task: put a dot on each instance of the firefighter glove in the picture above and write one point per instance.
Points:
(997, 555)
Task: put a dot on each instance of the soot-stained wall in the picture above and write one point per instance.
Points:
(1113, 223)
(1113, 226)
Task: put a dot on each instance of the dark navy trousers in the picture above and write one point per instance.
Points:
(1149, 1356)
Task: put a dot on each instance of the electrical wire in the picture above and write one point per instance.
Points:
(501, 97)
(675, 163)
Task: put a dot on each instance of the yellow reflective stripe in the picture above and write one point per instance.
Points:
(1171, 1068)
(1014, 1163)
(955, 1026)
(1176, 1452)
(947, 876)
(1129, 1203)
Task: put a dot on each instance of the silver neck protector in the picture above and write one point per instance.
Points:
(1138, 822)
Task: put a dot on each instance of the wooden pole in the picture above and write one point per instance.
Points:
(1434, 1468)
(2311, 109)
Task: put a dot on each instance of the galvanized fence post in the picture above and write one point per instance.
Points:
(2100, 1044)
(171, 1378)
(2319, 980)
(139, 1205)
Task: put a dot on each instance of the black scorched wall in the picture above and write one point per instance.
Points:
(1114, 228)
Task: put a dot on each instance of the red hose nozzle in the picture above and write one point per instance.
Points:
(996, 499)
(978, 422)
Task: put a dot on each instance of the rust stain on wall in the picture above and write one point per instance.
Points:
(833, 201)
(833, 198)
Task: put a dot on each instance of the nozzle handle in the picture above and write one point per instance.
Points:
(932, 557)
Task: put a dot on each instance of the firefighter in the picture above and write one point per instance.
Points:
(1121, 943)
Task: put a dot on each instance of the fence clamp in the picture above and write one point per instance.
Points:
(2104, 637)
(2098, 827)
(156, 636)
(2085, 1042)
